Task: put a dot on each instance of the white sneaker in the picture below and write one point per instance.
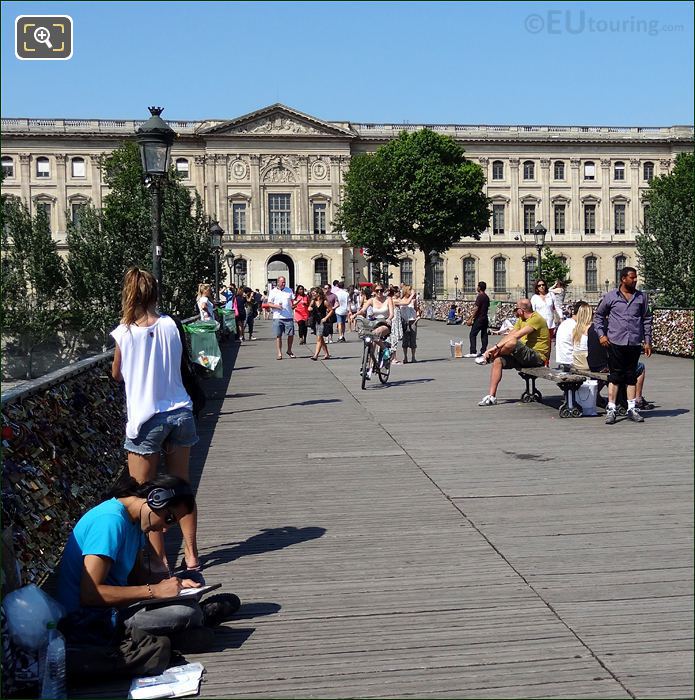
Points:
(481, 360)
(488, 400)
(471, 354)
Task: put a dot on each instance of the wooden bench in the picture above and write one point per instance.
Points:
(621, 400)
(569, 382)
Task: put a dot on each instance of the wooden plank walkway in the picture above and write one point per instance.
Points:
(402, 542)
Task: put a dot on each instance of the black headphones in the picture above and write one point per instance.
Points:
(159, 498)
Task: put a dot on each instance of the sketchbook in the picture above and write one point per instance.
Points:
(184, 594)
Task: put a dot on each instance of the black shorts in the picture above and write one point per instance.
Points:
(622, 364)
(327, 330)
(522, 356)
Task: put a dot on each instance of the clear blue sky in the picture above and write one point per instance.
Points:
(497, 63)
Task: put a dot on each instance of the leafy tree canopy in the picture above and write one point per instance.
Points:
(665, 247)
(553, 268)
(415, 192)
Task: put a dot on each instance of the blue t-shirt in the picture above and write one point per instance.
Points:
(105, 530)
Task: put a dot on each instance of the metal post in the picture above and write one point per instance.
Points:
(156, 209)
(215, 252)
(538, 271)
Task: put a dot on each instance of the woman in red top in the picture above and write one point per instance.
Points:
(301, 312)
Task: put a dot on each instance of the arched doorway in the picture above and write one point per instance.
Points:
(280, 265)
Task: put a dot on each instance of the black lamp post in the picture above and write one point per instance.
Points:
(539, 232)
(155, 139)
(456, 286)
(608, 284)
(434, 258)
(216, 233)
(229, 257)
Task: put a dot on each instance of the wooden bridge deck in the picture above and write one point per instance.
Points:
(403, 542)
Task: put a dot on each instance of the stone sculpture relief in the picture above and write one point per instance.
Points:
(275, 125)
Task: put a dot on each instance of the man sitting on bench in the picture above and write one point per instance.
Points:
(527, 345)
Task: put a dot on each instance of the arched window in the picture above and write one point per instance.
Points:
(620, 263)
(591, 274)
(500, 270)
(182, 168)
(530, 272)
(497, 170)
(529, 170)
(469, 284)
(589, 170)
(407, 271)
(559, 170)
(320, 272)
(619, 170)
(648, 171)
(7, 166)
(78, 167)
(43, 167)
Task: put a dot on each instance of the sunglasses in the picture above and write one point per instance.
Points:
(378, 290)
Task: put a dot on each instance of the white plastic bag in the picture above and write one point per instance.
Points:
(586, 397)
(28, 611)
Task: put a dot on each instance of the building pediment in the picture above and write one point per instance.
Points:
(277, 120)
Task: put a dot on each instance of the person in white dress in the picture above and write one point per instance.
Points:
(547, 305)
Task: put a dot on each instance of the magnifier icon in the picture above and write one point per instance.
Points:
(43, 36)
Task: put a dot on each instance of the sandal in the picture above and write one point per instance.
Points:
(315, 359)
(291, 354)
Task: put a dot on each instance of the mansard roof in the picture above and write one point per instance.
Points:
(276, 120)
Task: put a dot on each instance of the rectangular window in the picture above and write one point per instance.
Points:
(7, 167)
(45, 207)
(645, 219)
(407, 271)
(591, 274)
(589, 219)
(529, 218)
(498, 218)
(76, 211)
(439, 277)
(589, 171)
(238, 219)
(559, 213)
(497, 170)
(530, 270)
(279, 211)
(319, 219)
(619, 215)
(469, 284)
(559, 170)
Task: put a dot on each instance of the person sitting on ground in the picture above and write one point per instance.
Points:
(527, 345)
(453, 318)
(564, 342)
(105, 566)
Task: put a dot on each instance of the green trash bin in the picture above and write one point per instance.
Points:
(228, 319)
(205, 350)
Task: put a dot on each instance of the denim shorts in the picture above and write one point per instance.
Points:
(283, 326)
(340, 318)
(175, 428)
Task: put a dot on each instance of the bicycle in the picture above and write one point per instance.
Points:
(381, 365)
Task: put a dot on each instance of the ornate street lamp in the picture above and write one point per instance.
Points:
(229, 257)
(155, 139)
(216, 233)
(539, 232)
(456, 286)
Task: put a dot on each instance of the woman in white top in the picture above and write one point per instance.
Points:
(205, 307)
(160, 416)
(546, 304)
(378, 308)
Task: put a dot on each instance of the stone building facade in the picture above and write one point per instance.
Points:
(273, 179)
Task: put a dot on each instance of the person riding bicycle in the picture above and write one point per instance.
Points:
(381, 316)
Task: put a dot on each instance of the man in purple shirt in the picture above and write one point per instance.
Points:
(623, 322)
(478, 321)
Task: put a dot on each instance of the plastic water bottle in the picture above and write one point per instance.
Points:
(53, 686)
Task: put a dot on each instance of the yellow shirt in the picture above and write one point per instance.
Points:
(539, 338)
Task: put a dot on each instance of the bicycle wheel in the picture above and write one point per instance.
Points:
(366, 363)
(384, 369)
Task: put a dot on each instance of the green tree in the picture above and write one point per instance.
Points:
(105, 243)
(665, 248)
(33, 278)
(417, 192)
(554, 268)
